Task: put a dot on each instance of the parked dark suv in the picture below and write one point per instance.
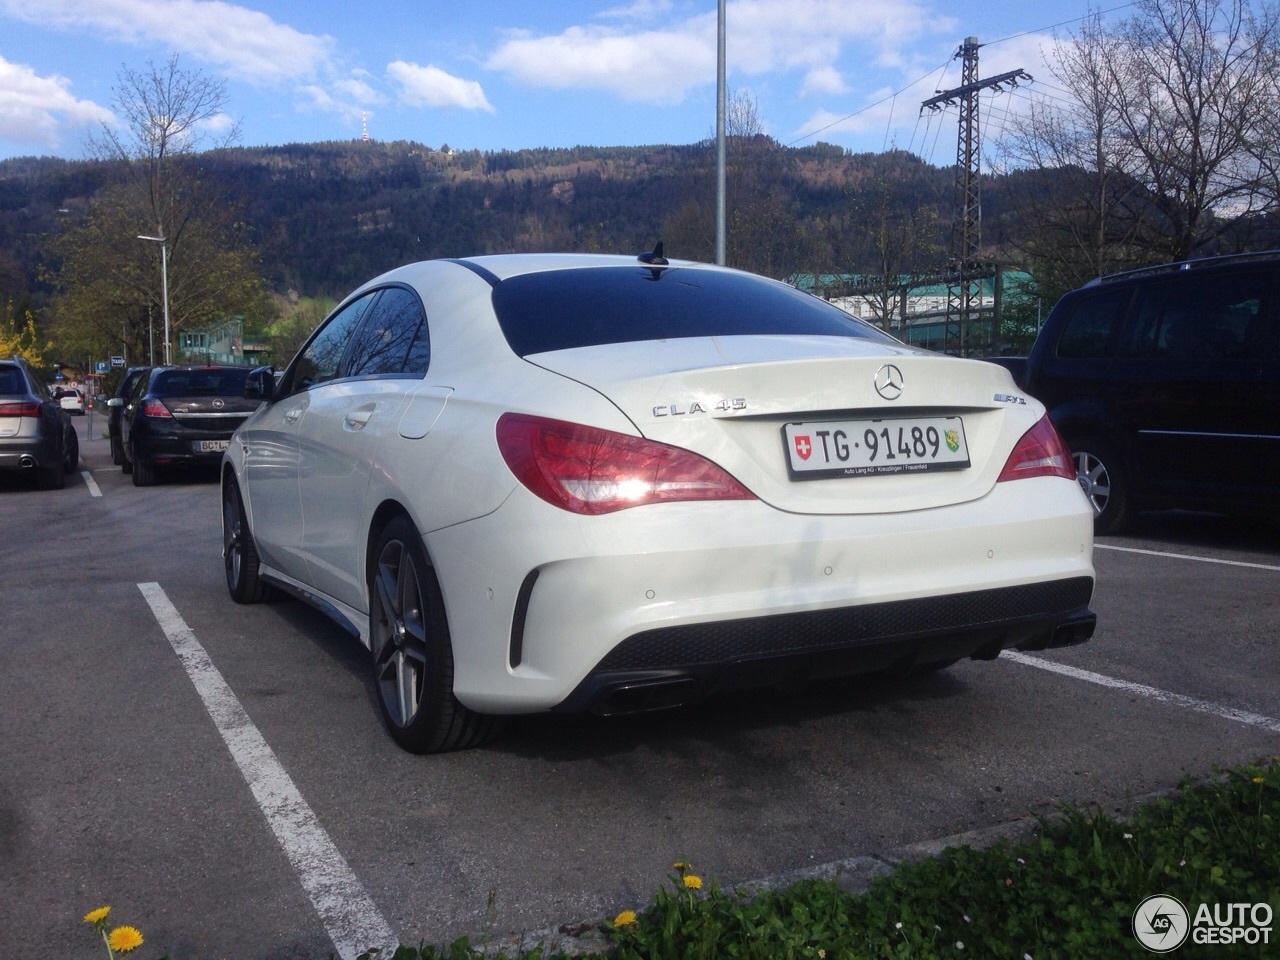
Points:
(1165, 383)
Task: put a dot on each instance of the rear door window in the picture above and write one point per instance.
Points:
(1201, 317)
(321, 357)
(393, 338)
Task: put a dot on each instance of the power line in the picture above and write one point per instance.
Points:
(921, 79)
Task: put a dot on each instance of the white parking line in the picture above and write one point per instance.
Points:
(1187, 556)
(1152, 693)
(349, 916)
(92, 484)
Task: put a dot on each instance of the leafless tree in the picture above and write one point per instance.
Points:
(1161, 137)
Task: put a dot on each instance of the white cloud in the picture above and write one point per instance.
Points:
(246, 43)
(431, 87)
(653, 65)
(823, 79)
(762, 36)
(41, 110)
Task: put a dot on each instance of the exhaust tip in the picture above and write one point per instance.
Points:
(27, 461)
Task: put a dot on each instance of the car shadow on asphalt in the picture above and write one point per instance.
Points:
(722, 716)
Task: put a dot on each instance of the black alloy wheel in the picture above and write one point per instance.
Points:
(239, 553)
(412, 652)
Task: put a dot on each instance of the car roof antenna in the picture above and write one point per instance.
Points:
(654, 259)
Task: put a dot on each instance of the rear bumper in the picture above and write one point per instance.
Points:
(23, 453)
(175, 451)
(552, 611)
(675, 665)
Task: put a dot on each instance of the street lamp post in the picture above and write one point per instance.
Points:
(164, 281)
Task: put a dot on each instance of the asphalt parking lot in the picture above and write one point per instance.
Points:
(219, 774)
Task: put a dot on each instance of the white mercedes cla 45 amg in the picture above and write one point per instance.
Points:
(593, 483)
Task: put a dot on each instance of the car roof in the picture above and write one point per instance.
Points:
(1180, 266)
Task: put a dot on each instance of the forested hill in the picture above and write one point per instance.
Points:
(328, 216)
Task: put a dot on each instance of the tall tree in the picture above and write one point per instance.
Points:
(1166, 134)
(110, 285)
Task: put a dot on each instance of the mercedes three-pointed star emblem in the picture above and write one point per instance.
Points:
(889, 382)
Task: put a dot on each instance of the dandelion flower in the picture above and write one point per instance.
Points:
(966, 918)
(624, 918)
(1259, 780)
(1128, 836)
(94, 916)
(124, 939)
(679, 865)
(898, 925)
(959, 945)
(822, 954)
(692, 882)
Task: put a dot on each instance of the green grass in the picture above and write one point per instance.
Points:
(1069, 891)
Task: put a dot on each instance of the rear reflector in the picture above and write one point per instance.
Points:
(591, 471)
(1039, 453)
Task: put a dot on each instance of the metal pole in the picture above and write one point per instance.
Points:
(720, 135)
(164, 280)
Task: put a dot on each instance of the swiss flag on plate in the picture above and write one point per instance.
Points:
(803, 446)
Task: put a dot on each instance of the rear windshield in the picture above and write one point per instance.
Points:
(12, 380)
(562, 309)
(214, 382)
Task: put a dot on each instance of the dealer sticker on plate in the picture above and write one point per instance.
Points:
(864, 448)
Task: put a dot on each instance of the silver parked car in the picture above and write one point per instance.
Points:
(36, 434)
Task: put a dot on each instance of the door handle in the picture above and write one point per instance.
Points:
(356, 419)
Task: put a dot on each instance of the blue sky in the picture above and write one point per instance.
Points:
(493, 75)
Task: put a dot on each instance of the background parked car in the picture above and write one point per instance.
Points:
(36, 434)
(180, 416)
(70, 399)
(115, 409)
(1165, 383)
(614, 484)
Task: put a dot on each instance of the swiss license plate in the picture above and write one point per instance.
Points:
(865, 448)
(211, 446)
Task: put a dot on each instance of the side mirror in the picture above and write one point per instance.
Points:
(115, 402)
(260, 384)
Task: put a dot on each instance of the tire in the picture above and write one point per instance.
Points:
(117, 451)
(1102, 477)
(412, 652)
(144, 474)
(71, 461)
(239, 553)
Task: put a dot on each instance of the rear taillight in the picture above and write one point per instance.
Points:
(587, 470)
(1040, 453)
(23, 408)
(154, 408)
